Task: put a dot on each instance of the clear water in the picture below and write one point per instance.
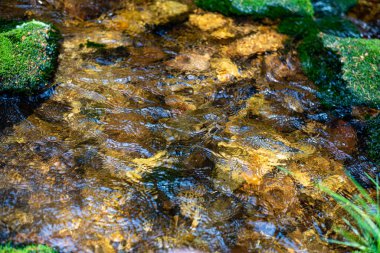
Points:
(126, 154)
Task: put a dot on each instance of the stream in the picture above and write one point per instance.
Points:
(160, 141)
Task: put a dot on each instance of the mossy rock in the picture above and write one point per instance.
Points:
(259, 8)
(27, 249)
(373, 142)
(301, 27)
(28, 56)
(332, 7)
(346, 69)
(360, 59)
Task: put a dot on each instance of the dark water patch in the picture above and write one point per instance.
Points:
(14, 109)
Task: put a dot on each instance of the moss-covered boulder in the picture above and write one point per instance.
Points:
(344, 66)
(301, 27)
(259, 8)
(360, 60)
(320, 63)
(28, 56)
(346, 69)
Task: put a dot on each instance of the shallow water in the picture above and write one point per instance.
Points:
(128, 153)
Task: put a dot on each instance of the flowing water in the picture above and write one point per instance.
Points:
(132, 151)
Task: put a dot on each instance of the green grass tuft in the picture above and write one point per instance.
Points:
(362, 231)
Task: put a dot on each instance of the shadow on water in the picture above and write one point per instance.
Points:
(16, 108)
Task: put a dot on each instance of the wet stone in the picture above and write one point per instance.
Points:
(190, 62)
(263, 41)
(278, 196)
(135, 20)
(226, 69)
(180, 102)
(146, 55)
(208, 21)
(80, 8)
(344, 136)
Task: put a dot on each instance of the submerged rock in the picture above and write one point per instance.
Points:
(225, 69)
(344, 136)
(180, 102)
(271, 8)
(278, 195)
(134, 20)
(81, 8)
(28, 56)
(208, 21)
(260, 42)
(190, 62)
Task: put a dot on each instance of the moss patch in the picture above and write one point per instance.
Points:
(259, 8)
(360, 60)
(301, 27)
(322, 64)
(27, 249)
(347, 70)
(28, 56)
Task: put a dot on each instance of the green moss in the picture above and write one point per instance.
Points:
(259, 8)
(332, 61)
(28, 56)
(373, 142)
(324, 68)
(360, 60)
(332, 7)
(346, 69)
(300, 27)
(338, 27)
(27, 249)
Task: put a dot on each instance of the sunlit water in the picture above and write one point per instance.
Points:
(126, 154)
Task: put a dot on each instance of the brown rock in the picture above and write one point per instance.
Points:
(225, 69)
(84, 9)
(167, 11)
(208, 21)
(134, 20)
(190, 62)
(343, 135)
(260, 42)
(147, 55)
(180, 102)
(278, 194)
(278, 69)
(223, 33)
